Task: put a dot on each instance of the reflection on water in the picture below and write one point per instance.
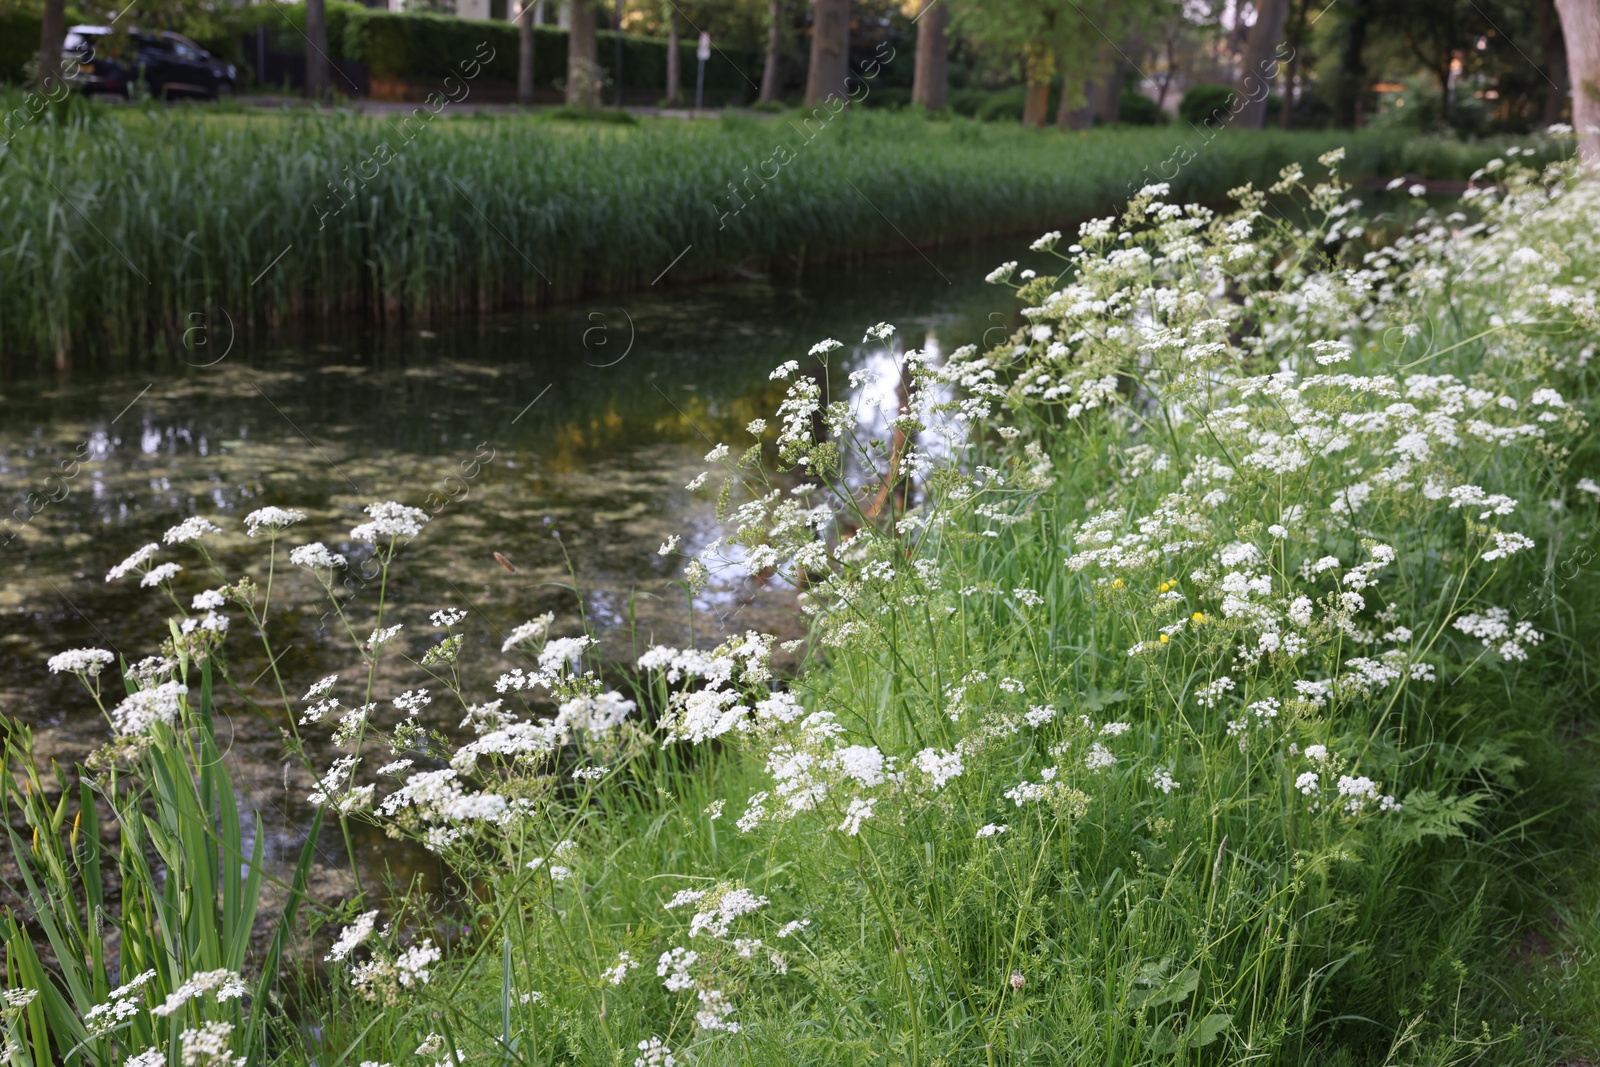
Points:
(558, 440)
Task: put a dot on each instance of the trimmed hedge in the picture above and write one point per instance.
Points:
(418, 46)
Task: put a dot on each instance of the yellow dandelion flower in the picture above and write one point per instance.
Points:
(1165, 639)
(1198, 616)
(1117, 584)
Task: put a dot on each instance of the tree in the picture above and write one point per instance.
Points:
(525, 20)
(317, 75)
(1580, 26)
(931, 79)
(583, 57)
(1038, 70)
(769, 71)
(1044, 37)
(1261, 63)
(830, 50)
(52, 38)
(1296, 40)
(674, 58)
(1555, 63)
(1351, 87)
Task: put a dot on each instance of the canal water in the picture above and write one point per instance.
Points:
(561, 440)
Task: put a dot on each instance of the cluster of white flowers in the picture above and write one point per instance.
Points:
(160, 703)
(85, 661)
(190, 530)
(271, 519)
(390, 522)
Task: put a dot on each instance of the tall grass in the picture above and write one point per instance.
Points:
(117, 225)
(1185, 684)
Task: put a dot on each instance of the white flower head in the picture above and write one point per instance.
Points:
(316, 556)
(1047, 242)
(390, 521)
(271, 519)
(881, 332)
(352, 937)
(161, 572)
(84, 661)
(1002, 273)
(133, 562)
(190, 529)
(531, 630)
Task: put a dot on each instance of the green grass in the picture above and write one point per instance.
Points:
(118, 225)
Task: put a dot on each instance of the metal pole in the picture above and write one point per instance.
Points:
(619, 53)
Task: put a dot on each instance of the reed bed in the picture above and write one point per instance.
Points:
(119, 225)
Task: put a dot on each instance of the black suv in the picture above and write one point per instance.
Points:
(169, 63)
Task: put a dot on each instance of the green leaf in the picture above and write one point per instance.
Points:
(1208, 1029)
(1425, 813)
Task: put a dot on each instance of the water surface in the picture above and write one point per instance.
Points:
(562, 440)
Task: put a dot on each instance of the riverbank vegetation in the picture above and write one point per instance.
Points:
(119, 225)
(1190, 677)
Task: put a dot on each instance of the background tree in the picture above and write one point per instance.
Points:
(931, 80)
(830, 50)
(317, 74)
(1580, 26)
(525, 20)
(769, 70)
(674, 56)
(583, 60)
(52, 38)
(1555, 64)
(1260, 63)
(1350, 89)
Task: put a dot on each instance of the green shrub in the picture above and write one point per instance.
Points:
(1200, 102)
(1002, 105)
(19, 40)
(1139, 110)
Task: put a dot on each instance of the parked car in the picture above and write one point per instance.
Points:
(170, 64)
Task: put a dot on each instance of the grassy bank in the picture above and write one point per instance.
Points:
(120, 224)
(1190, 679)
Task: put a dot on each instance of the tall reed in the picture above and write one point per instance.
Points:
(120, 225)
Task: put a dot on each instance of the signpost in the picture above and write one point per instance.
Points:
(702, 53)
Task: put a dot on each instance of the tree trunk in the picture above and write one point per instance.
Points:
(1076, 114)
(1351, 87)
(1108, 100)
(317, 49)
(583, 57)
(1035, 104)
(674, 59)
(1555, 64)
(52, 37)
(525, 53)
(931, 80)
(1296, 37)
(1171, 71)
(1580, 26)
(769, 71)
(830, 50)
(1260, 63)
